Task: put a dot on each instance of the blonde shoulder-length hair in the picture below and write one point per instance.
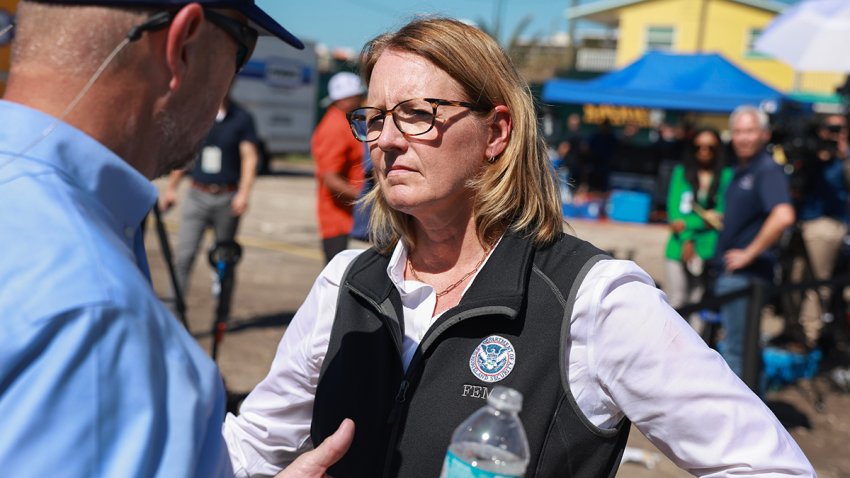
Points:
(518, 189)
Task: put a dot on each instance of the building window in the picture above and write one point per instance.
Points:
(659, 38)
(750, 51)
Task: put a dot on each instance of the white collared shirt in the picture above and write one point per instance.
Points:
(629, 354)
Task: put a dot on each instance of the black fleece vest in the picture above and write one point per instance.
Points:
(518, 307)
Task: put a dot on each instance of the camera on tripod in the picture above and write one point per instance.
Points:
(807, 142)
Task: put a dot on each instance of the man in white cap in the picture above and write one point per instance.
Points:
(97, 378)
(339, 163)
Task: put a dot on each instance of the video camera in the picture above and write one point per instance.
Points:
(806, 141)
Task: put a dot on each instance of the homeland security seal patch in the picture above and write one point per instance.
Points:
(493, 359)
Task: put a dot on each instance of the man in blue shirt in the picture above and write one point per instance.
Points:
(97, 379)
(758, 210)
(222, 177)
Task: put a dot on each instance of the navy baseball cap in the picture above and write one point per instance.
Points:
(258, 19)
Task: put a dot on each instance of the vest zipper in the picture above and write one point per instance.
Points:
(401, 401)
(400, 398)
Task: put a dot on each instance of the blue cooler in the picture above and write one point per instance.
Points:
(585, 210)
(783, 367)
(629, 206)
(570, 210)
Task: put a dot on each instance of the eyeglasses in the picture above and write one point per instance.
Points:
(412, 117)
(244, 36)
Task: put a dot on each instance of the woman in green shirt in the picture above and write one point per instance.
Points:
(695, 204)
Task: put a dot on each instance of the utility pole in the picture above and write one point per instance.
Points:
(572, 51)
(703, 12)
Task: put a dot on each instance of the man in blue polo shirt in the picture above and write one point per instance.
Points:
(97, 378)
(758, 210)
(222, 177)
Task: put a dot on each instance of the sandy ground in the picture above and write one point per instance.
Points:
(282, 257)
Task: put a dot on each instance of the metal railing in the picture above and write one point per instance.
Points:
(760, 294)
(596, 59)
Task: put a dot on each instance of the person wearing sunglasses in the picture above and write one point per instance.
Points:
(472, 283)
(97, 378)
(695, 205)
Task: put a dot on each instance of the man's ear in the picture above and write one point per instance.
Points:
(500, 131)
(183, 34)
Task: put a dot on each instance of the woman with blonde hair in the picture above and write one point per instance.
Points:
(472, 284)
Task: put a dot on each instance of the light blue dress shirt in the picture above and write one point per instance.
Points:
(97, 378)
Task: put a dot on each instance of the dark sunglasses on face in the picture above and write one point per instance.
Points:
(244, 36)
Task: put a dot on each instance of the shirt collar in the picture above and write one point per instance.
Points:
(83, 161)
(398, 261)
(395, 269)
(759, 158)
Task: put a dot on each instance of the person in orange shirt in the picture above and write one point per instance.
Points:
(339, 157)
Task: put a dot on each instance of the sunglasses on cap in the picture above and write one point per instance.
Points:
(244, 36)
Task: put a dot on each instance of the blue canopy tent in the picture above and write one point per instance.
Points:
(696, 82)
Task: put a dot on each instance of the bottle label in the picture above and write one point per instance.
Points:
(454, 467)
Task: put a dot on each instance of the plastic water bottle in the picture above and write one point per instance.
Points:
(491, 443)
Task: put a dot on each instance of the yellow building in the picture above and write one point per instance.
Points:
(7, 12)
(728, 27)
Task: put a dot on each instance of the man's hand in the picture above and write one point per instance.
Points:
(677, 226)
(167, 199)
(240, 203)
(315, 463)
(735, 259)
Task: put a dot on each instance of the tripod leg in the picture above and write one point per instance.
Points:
(819, 245)
(797, 303)
(226, 276)
(820, 403)
(165, 246)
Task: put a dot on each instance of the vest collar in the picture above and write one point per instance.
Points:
(502, 281)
